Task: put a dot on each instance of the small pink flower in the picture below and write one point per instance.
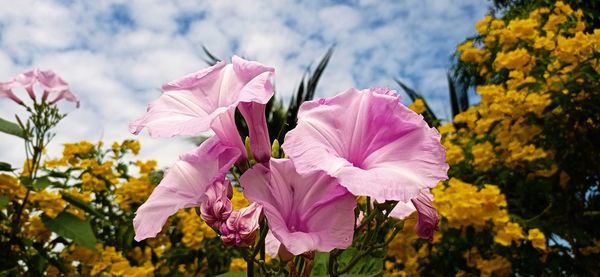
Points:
(207, 99)
(217, 207)
(304, 212)
(240, 228)
(51, 83)
(371, 143)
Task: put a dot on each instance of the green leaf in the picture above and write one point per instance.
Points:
(72, 227)
(11, 128)
(42, 183)
(320, 264)
(232, 274)
(5, 167)
(4, 201)
(367, 265)
(73, 200)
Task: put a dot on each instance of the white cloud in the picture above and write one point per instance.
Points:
(116, 54)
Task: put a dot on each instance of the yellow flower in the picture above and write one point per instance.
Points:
(475, 55)
(50, 202)
(516, 59)
(146, 167)
(523, 28)
(482, 26)
(193, 228)
(484, 156)
(238, 265)
(418, 106)
(132, 145)
(509, 233)
(537, 238)
(454, 153)
(11, 187)
(238, 200)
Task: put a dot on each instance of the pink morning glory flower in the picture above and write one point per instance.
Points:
(371, 143)
(240, 228)
(207, 99)
(184, 185)
(52, 84)
(305, 212)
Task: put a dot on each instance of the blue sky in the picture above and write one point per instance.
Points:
(116, 54)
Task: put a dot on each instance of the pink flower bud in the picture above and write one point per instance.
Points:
(217, 207)
(428, 219)
(240, 228)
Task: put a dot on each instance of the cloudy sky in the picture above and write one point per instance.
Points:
(116, 54)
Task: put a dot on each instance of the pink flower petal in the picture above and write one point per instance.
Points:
(260, 143)
(184, 185)
(192, 103)
(371, 143)
(305, 212)
(9, 94)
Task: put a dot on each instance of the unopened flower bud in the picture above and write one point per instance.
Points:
(275, 149)
(241, 226)
(217, 207)
(427, 219)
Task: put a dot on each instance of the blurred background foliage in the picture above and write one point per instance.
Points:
(522, 197)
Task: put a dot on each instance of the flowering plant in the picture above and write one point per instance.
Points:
(353, 163)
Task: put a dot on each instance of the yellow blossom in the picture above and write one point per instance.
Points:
(238, 265)
(508, 233)
(537, 238)
(418, 106)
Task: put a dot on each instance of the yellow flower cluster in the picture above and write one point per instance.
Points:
(463, 204)
(238, 265)
(49, 202)
(194, 229)
(551, 41)
(136, 190)
(126, 145)
(11, 187)
(110, 262)
(496, 266)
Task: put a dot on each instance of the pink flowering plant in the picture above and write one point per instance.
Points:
(327, 202)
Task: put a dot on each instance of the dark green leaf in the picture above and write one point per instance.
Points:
(71, 227)
(81, 204)
(37, 264)
(11, 128)
(4, 201)
(5, 167)
(367, 265)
